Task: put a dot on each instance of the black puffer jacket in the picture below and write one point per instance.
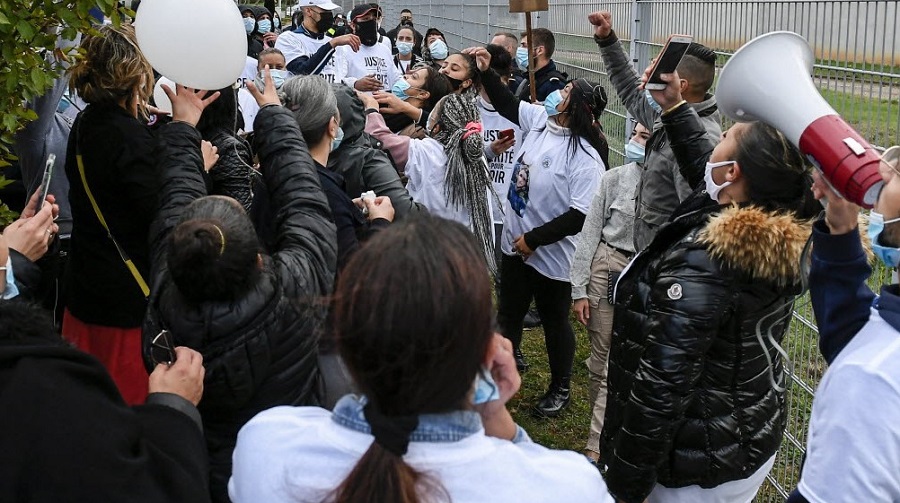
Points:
(691, 400)
(232, 175)
(259, 351)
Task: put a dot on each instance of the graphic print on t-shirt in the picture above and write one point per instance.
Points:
(518, 188)
(378, 67)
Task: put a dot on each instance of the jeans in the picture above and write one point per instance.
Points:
(519, 284)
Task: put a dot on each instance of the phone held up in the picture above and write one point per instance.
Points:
(667, 61)
(45, 181)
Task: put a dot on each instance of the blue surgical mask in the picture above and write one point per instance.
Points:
(336, 142)
(278, 78)
(438, 49)
(522, 58)
(265, 26)
(277, 23)
(404, 48)
(486, 388)
(634, 152)
(249, 24)
(889, 256)
(399, 89)
(553, 99)
(652, 102)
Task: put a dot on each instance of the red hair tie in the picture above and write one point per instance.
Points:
(472, 128)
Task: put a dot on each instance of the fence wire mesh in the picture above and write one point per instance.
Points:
(857, 70)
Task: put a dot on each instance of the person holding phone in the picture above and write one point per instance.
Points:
(663, 186)
(419, 430)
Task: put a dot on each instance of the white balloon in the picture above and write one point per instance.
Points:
(159, 96)
(198, 43)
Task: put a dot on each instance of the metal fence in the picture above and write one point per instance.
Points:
(857, 70)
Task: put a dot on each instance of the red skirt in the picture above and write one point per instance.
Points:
(119, 349)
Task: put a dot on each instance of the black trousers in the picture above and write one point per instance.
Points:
(519, 284)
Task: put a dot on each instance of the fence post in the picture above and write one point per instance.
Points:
(638, 49)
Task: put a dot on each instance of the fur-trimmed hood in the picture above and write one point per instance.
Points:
(765, 244)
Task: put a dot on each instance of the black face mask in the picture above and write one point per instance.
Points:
(325, 21)
(454, 83)
(367, 31)
(406, 22)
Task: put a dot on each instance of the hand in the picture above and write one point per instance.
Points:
(522, 248)
(183, 378)
(368, 100)
(349, 40)
(582, 310)
(270, 96)
(388, 103)
(501, 145)
(152, 110)
(671, 95)
(368, 83)
(269, 39)
(31, 207)
(841, 215)
(210, 155)
(602, 21)
(500, 362)
(380, 207)
(188, 104)
(482, 57)
(31, 236)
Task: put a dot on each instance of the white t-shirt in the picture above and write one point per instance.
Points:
(251, 69)
(295, 45)
(501, 166)
(853, 451)
(376, 60)
(548, 181)
(299, 455)
(426, 168)
(249, 108)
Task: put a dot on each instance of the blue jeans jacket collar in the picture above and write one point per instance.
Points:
(447, 427)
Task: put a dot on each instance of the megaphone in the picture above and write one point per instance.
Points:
(769, 80)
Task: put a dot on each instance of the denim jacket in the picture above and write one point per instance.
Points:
(448, 427)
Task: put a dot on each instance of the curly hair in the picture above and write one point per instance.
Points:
(113, 67)
(468, 178)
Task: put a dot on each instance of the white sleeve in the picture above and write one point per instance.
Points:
(292, 48)
(415, 164)
(854, 440)
(341, 66)
(531, 116)
(585, 172)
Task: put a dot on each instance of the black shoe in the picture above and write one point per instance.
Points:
(521, 364)
(554, 400)
(532, 320)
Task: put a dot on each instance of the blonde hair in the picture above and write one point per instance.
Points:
(112, 68)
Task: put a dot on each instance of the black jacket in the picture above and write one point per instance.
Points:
(232, 175)
(260, 350)
(120, 166)
(67, 436)
(691, 400)
(547, 80)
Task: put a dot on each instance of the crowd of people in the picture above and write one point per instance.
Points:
(283, 290)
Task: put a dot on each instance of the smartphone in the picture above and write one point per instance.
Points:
(45, 181)
(668, 60)
(507, 133)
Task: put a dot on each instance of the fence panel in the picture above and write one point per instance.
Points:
(857, 70)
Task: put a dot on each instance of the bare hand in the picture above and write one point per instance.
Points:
(500, 362)
(671, 95)
(380, 207)
(188, 104)
(502, 144)
(841, 215)
(31, 236)
(32, 206)
(270, 96)
(388, 103)
(482, 57)
(349, 40)
(582, 310)
(602, 21)
(269, 39)
(183, 378)
(367, 83)
(521, 247)
(210, 155)
(368, 100)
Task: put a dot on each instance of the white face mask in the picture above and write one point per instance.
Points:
(712, 188)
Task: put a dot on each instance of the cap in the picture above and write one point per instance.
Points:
(362, 10)
(322, 4)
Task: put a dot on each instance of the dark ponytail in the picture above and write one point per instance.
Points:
(778, 174)
(213, 251)
(587, 100)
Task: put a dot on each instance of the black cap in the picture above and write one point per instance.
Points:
(362, 10)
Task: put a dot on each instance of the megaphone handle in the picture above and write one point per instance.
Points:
(824, 201)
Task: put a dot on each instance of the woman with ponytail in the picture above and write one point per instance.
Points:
(447, 171)
(430, 423)
(252, 315)
(559, 162)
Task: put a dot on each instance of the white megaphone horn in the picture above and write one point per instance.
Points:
(769, 80)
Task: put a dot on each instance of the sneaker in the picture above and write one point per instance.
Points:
(532, 320)
(554, 400)
(521, 364)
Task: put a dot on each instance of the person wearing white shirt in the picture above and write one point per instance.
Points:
(371, 67)
(308, 49)
(558, 165)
